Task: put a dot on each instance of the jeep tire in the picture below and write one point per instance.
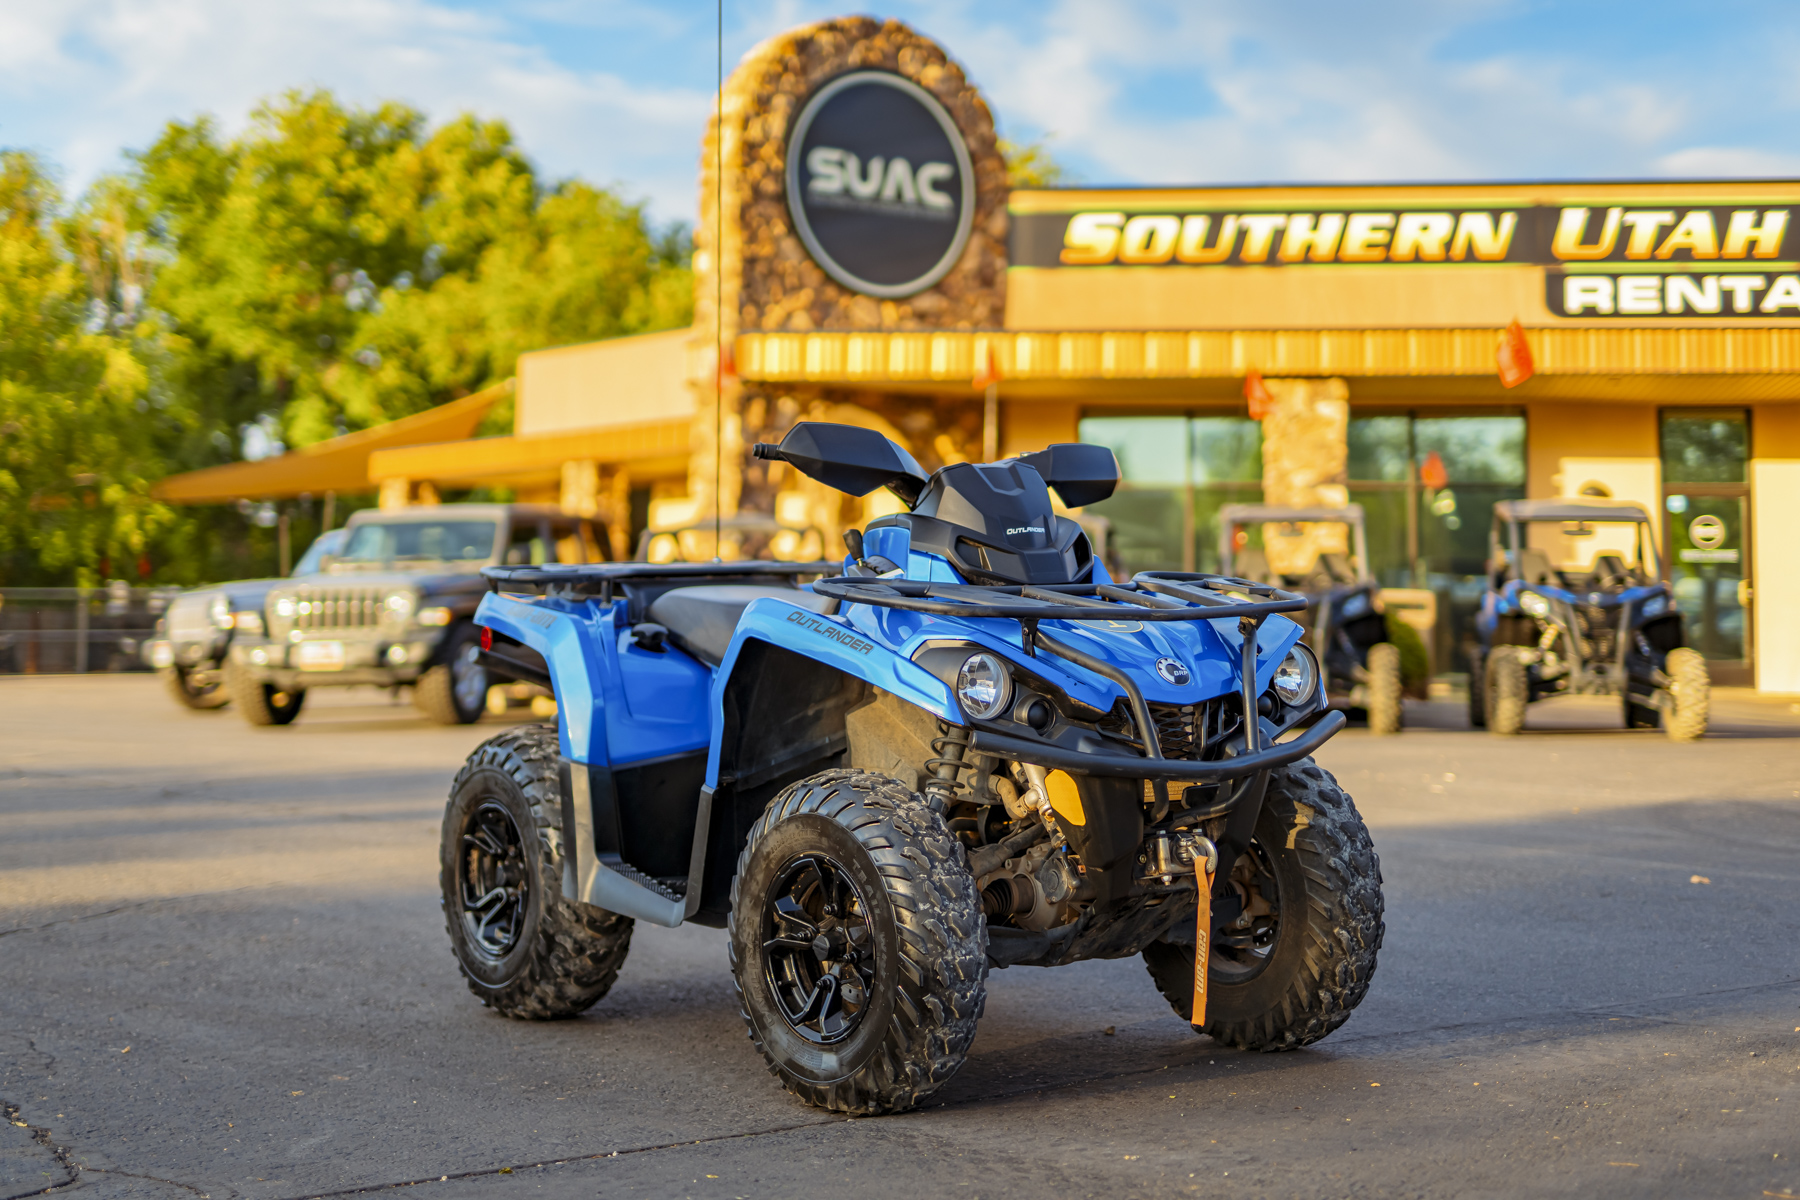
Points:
(1690, 689)
(524, 949)
(1311, 843)
(262, 703)
(180, 684)
(454, 691)
(858, 946)
(1383, 689)
(1507, 688)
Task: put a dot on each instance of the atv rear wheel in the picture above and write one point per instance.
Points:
(524, 949)
(262, 703)
(180, 683)
(1383, 689)
(1288, 983)
(1507, 689)
(1691, 689)
(454, 692)
(858, 947)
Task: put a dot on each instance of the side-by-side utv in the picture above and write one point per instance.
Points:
(966, 747)
(1345, 625)
(1607, 628)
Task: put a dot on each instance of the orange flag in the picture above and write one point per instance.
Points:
(1514, 357)
(988, 374)
(1261, 402)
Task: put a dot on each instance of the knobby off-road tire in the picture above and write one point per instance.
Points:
(528, 952)
(1691, 689)
(180, 685)
(454, 692)
(908, 938)
(1477, 692)
(1507, 689)
(1327, 937)
(1384, 689)
(262, 703)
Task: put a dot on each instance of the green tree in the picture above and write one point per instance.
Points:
(1031, 165)
(77, 447)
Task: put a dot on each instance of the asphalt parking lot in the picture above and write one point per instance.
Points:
(223, 972)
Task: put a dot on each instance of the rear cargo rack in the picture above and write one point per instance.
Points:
(600, 580)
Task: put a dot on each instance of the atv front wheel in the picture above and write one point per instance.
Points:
(1691, 690)
(1383, 689)
(180, 683)
(1507, 689)
(455, 691)
(857, 944)
(524, 949)
(1312, 881)
(262, 703)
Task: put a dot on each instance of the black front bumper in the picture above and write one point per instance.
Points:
(1132, 766)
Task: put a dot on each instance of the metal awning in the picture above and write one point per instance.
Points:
(340, 464)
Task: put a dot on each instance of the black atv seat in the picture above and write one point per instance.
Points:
(702, 619)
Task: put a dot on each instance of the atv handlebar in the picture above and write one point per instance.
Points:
(767, 450)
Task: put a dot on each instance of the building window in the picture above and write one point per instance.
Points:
(1177, 472)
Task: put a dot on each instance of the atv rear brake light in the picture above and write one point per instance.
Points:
(984, 686)
(487, 638)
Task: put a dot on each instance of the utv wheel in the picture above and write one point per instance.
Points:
(262, 703)
(1299, 971)
(524, 949)
(180, 683)
(1383, 689)
(1477, 692)
(857, 944)
(1507, 688)
(1691, 689)
(455, 691)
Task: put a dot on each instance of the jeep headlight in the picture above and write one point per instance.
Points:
(984, 686)
(1297, 678)
(399, 605)
(285, 608)
(1535, 604)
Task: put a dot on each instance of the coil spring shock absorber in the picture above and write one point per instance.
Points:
(942, 787)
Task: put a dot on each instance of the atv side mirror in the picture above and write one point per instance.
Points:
(1080, 472)
(849, 458)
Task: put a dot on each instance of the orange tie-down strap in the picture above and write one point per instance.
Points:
(1202, 938)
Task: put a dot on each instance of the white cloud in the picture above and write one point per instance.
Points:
(1729, 162)
(90, 77)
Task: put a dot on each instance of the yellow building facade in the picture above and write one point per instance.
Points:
(859, 257)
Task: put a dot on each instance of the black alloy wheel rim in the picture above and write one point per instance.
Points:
(496, 882)
(818, 949)
(1240, 955)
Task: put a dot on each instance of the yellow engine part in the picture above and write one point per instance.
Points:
(1065, 797)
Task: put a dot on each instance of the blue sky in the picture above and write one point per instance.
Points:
(1128, 91)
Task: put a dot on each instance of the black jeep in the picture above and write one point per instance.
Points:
(1604, 626)
(393, 608)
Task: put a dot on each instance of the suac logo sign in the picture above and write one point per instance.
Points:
(879, 184)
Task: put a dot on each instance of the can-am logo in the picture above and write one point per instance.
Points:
(880, 184)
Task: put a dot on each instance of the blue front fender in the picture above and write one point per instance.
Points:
(570, 640)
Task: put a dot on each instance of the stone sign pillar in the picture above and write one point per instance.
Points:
(1306, 453)
(890, 214)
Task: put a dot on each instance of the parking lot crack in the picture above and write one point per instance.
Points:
(41, 1136)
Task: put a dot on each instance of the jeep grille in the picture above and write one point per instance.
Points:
(327, 609)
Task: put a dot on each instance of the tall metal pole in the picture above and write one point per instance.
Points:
(990, 424)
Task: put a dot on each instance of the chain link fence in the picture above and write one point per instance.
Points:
(58, 631)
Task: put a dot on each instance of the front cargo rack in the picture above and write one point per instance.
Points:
(1154, 595)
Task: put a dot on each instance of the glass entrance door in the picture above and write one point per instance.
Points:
(1706, 511)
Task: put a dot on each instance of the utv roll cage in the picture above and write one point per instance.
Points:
(1511, 516)
(1233, 517)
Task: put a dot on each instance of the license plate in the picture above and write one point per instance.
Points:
(319, 656)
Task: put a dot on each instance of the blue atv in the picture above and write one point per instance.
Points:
(965, 748)
(1609, 628)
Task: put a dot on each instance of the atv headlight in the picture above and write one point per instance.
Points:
(1535, 604)
(984, 686)
(1297, 678)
